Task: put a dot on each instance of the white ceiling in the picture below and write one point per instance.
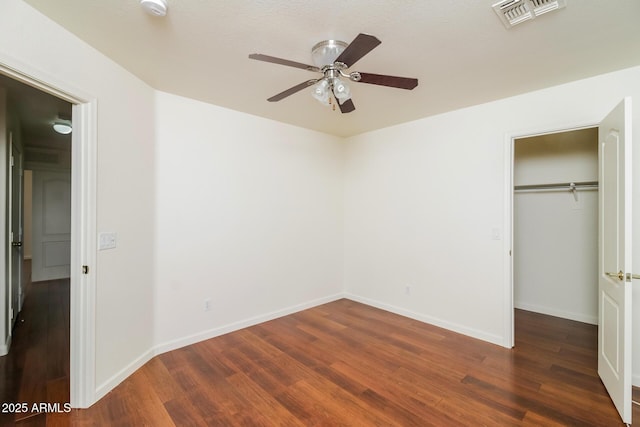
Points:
(458, 49)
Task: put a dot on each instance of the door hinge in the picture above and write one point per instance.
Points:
(12, 162)
(85, 269)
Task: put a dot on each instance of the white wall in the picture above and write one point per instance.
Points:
(125, 178)
(555, 252)
(249, 216)
(422, 201)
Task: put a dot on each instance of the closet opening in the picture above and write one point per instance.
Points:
(555, 234)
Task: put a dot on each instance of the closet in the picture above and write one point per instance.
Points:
(556, 224)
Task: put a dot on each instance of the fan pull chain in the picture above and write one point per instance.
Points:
(333, 105)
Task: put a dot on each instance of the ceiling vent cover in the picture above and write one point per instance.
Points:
(513, 12)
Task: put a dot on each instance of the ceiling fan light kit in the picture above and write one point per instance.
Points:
(332, 58)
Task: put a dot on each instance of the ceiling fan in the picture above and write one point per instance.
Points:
(332, 59)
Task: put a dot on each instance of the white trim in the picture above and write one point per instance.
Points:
(509, 323)
(83, 187)
(215, 332)
(83, 288)
(550, 311)
(454, 327)
(123, 374)
(4, 348)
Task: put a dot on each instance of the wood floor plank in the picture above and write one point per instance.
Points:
(342, 363)
(262, 402)
(405, 395)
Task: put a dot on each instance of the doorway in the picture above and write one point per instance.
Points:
(83, 225)
(555, 224)
(613, 207)
(38, 328)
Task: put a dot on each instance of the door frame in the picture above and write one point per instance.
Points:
(14, 164)
(509, 158)
(83, 222)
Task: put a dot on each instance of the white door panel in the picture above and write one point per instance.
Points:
(614, 291)
(51, 225)
(15, 233)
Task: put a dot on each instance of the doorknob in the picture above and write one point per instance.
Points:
(619, 275)
(16, 243)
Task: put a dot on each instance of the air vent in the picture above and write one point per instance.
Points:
(514, 12)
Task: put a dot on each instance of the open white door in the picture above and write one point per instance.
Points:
(15, 233)
(614, 281)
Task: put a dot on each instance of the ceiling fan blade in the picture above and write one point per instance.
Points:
(359, 47)
(274, 60)
(292, 90)
(391, 81)
(347, 106)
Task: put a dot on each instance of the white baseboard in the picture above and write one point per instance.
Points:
(112, 382)
(4, 348)
(464, 330)
(221, 330)
(125, 372)
(578, 317)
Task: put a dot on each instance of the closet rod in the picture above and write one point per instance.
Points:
(567, 186)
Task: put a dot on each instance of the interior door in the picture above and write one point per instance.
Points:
(51, 220)
(614, 282)
(15, 233)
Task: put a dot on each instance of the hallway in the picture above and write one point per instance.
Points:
(36, 370)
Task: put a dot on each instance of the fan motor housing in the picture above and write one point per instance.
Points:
(326, 52)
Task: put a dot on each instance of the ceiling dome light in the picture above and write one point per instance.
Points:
(154, 7)
(326, 52)
(62, 128)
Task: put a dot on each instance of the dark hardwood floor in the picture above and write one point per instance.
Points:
(36, 370)
(342, 363)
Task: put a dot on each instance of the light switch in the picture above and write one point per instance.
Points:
(107, 240)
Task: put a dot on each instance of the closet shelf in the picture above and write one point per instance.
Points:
(566, 186)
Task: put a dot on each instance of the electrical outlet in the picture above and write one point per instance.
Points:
(407, 290)
(207, 305)
(495, 233)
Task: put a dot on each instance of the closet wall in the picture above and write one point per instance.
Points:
(555, 232)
